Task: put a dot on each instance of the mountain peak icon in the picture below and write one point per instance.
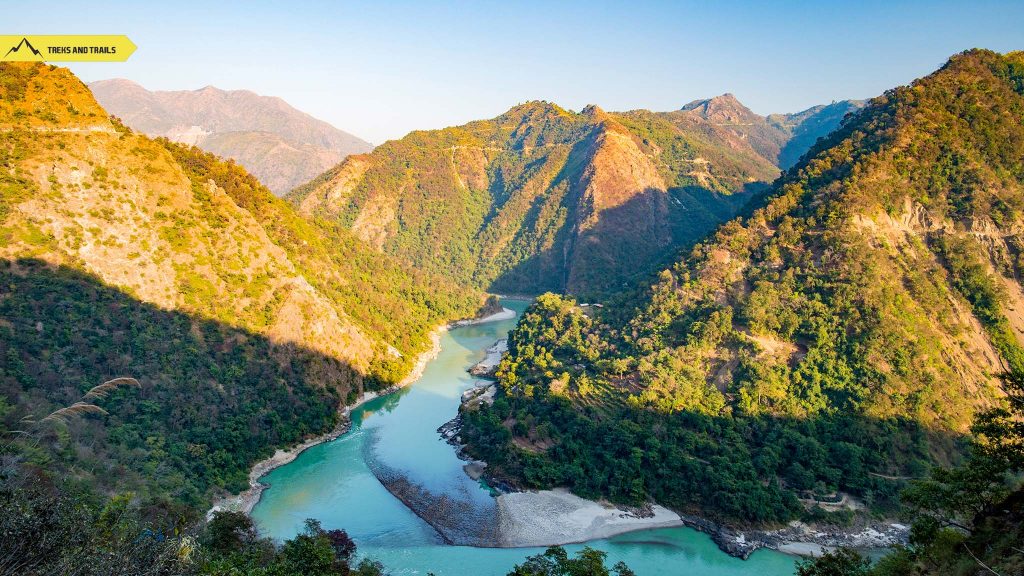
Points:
(24, 43)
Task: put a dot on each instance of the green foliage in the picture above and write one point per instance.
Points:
(214, 399)
(678, 139)
(15, 184)
(51, 527)
(54, 529)
(968, 519)
(1000, 431)
(744, 468)
(954, 497)
(971, 278)
(313, 552)
(397, 304)
(230, 531)
(14, 79)
(555, 561)
(842, 562)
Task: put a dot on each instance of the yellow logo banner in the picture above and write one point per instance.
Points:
(59, 48)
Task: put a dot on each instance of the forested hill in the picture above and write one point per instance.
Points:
(245, 324)
(842, 335)
(541, 198)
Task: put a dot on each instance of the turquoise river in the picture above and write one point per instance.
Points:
(333, 482)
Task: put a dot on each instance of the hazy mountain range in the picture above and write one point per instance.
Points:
(278, 144)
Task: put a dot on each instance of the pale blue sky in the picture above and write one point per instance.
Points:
(381, 69)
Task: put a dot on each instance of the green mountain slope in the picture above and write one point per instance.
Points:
(541, 198)
(245, 324)
(843, 333)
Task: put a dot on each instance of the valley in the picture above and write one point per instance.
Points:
(394, 439)
(737, 339)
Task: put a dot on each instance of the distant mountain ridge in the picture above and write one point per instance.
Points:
(280, 145)
(542, 198)
(781, 138)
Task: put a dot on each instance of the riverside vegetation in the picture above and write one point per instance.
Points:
(967, 520)
(127, 255)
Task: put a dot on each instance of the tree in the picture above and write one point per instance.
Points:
(555, 561)
(343, 545)
(230, 531)
(959, 496)
(841, 562)
(1001, 431)
(967, 517)
(313, 552)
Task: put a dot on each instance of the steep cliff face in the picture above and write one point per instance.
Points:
(541, 198)
(278, 144)
(623, 214)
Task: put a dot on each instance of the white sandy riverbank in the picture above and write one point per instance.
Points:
(802, 549)
(551, 517)
(505, 314)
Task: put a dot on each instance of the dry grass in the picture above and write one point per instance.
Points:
(82, 407)
(103, 390)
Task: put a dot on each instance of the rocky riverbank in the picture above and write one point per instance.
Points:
(489, 365)
(799, 538)
(459, 515)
